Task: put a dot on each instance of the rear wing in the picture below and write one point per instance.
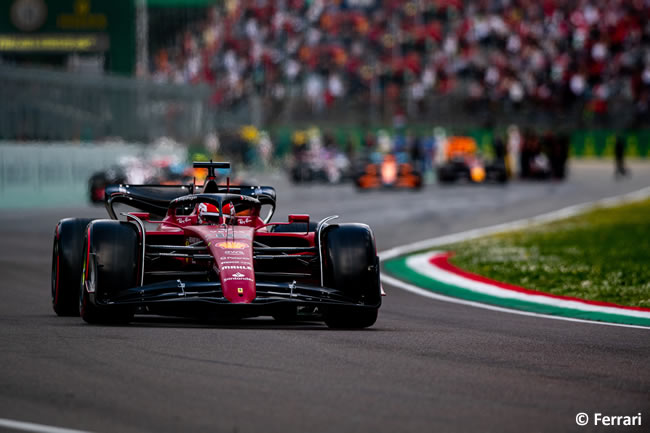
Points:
(155, 199)
(211, 166)
(460, 146)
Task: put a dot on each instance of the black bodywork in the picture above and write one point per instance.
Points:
(459, 170)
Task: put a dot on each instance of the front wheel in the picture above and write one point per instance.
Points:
(109, 267)
(446, 175)
(351, 266)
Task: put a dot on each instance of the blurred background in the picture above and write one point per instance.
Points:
(95, 91)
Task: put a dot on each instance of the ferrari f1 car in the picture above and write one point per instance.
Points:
(462, 162)
(388, 171)
(209, 253)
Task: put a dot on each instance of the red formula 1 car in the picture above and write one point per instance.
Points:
(208, 254)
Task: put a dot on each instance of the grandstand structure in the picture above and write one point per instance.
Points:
(475, 63)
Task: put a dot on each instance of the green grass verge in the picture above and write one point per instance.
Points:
(601, 255)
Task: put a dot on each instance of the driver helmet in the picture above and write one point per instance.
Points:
(205, 210)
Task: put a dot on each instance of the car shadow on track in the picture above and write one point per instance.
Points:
(257, 324)
(179, 322)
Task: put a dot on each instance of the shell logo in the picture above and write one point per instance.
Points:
(231, 245)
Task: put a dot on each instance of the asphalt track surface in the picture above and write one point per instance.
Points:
(425, 366)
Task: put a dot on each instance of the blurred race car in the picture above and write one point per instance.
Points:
(135, 171)
(388, 171)
(536, 166)
(209, 252)
(462, 162)
(98, 181)
(324, 166)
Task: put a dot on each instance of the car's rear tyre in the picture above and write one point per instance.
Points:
(502, 177)
(418, 183)
(67, 260)
(352, 266)
(301, 174)
(110, 265)
(96, 184)
(446, 175)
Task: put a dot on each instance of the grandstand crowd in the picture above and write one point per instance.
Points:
(549, 53)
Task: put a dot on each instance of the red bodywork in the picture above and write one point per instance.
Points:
(232, 249)
(230, 245)
(209, 254)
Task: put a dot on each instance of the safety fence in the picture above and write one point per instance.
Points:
(51, 105)
(53, 173)
(48, 105)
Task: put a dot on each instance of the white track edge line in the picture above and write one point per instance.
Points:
(566, 212)
(432, 295)
(33, 427)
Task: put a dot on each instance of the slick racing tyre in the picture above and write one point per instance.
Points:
(301, 174)
(110, 265)
(96, 186)
(67, 258)
(446, 175)
(352, 265)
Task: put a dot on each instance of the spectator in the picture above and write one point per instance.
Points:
(514, 52)
(619, 152)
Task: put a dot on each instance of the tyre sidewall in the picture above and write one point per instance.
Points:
(67, 260)
(112, 253)
(351, 262)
